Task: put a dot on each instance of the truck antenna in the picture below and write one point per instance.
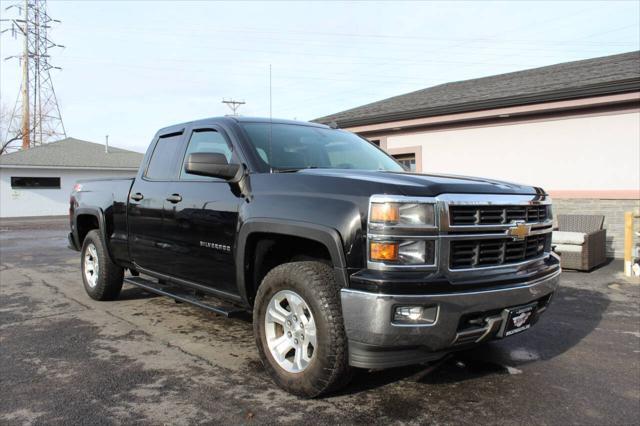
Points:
(270, 122)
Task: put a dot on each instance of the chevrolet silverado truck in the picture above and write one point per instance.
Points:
(343, 258)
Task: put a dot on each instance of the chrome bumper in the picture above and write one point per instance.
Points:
(376, 342)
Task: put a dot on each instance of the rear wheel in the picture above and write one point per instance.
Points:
(101, 277)
(299, 329)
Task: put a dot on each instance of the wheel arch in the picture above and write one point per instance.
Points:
(322, 237)
(87, 219)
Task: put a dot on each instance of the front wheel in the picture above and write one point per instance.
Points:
(299, 330)
(101, 277)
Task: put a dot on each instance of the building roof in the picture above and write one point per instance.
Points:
(73, 153)
(569, 80)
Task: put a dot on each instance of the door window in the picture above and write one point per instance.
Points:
(163, 160)
(209, 141)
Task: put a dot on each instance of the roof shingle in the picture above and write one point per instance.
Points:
(569, 80)
(72, 153)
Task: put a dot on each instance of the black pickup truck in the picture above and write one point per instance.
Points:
(343, 258)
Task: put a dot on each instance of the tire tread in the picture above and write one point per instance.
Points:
(111, 276)
(319, 276)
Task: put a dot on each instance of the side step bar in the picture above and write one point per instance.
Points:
(185, 296)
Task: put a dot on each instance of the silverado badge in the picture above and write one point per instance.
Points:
(520, 231)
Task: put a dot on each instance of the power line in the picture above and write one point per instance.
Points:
(36, 115)
(402, 39)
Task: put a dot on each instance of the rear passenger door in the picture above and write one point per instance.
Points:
(202, 221)
(145, 211)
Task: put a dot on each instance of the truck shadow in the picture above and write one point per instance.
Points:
(573, 315)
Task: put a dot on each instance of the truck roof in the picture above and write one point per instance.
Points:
(238, 119)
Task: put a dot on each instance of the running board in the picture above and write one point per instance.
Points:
(185, 296)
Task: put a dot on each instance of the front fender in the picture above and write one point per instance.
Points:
(326, 236)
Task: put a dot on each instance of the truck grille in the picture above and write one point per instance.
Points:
(496, 215)
(494, 252)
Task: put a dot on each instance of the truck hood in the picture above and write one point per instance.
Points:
(414, 184)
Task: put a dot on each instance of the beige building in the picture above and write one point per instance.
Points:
(571, 128)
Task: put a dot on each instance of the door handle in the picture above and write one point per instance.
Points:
(174, 198)
(137, 196)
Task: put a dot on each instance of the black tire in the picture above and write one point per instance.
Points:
(329, 367)
(110, 276)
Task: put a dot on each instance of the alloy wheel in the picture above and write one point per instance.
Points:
(91, 265)
(290, 331)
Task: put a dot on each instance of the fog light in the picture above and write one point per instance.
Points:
(415, 314)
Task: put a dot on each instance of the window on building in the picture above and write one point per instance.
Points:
(24, 182)
(407, 160)
(205, 141)
(163, 160)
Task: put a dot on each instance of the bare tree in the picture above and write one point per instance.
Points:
(8, 139)
(11, 138)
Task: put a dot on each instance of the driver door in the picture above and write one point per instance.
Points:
(202, 225)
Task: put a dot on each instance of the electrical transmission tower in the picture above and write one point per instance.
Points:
(234, 105)
(36, 115)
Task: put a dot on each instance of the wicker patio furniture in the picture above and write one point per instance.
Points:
(580, 240)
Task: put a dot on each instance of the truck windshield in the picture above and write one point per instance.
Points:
(294, 147)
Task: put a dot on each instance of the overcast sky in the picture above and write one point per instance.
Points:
(130, 68)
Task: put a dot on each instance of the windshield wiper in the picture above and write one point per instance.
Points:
(294, 169)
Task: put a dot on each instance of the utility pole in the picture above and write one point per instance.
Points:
(26, 133)
(36, 117)
(233, 105)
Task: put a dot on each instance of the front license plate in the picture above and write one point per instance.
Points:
(519, 319)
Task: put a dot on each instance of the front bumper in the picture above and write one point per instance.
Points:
(376, 342)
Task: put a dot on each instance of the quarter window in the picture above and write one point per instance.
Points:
(209, 141)
(163, 160)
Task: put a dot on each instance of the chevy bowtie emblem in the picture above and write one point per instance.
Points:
(520, 231)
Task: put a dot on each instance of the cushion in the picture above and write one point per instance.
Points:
(565, 237)
(568, 248)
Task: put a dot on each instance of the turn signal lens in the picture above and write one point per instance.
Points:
(383, 251)
(404, 252)
(384, 212)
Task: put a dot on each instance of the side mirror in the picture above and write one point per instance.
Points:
(212, 165)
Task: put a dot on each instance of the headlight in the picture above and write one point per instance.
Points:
(402, 232)
(415, 214)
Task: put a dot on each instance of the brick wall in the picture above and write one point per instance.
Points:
(613, 211)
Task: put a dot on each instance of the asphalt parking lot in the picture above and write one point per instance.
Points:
(65, 358)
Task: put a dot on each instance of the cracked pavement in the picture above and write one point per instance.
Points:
(65, 358)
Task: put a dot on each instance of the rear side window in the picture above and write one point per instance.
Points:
(205, 141)
(163, 160)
